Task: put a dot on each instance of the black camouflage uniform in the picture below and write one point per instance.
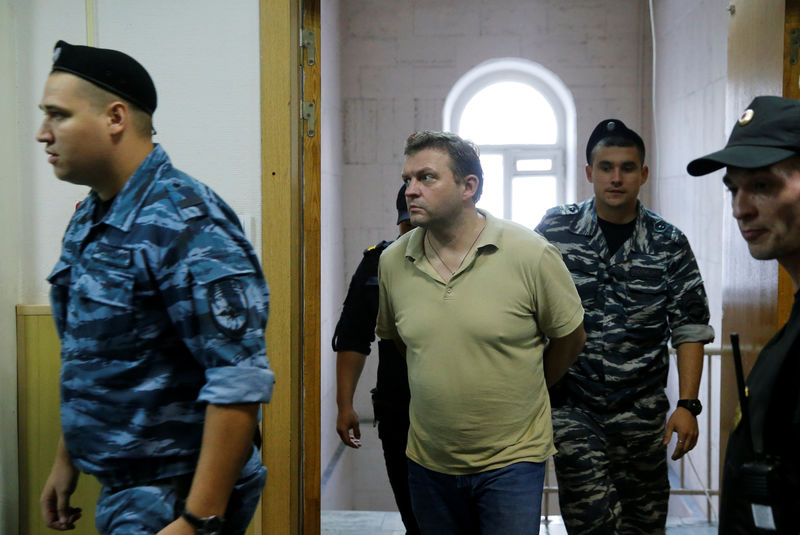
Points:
(610, 411)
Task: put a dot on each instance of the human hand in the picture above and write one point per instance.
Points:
(348, 420)
(54, 501)
(684, 423)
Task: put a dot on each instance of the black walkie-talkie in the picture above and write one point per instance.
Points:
(761, 476)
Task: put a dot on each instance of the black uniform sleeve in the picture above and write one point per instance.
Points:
(355, 330)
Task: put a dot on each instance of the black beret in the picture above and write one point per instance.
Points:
(612, 128)
(767, 132)
(402, 207)
(111, 70)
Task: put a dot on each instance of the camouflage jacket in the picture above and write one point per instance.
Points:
(634, 301)
(161, 308)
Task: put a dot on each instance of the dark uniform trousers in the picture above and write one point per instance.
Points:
(612, 472)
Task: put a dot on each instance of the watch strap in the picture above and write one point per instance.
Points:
(692, 405)
(210, 525)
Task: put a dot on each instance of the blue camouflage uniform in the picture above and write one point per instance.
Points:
(610, 409)
(161, 307)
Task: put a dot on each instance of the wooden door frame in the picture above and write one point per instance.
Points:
(290, 244)
(311, 181)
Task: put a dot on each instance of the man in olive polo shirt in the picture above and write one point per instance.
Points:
(488, 316)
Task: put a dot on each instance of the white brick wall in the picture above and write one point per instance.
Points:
(691, 59)
(339, 491)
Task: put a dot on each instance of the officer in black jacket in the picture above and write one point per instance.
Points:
(761, 478)
(352, 339)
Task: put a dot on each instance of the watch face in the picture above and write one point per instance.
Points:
(692, 405)
(211, 526)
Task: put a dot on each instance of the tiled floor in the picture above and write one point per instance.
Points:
(380, 523)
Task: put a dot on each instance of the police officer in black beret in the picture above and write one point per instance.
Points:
(761, 477)
(354, 333)
(160, 305)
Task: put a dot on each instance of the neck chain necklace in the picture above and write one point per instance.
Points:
(452, 272)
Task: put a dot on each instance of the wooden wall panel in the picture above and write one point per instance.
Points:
(750, 287)
(791, 89)
(38, 367)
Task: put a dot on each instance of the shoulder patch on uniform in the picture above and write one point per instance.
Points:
(227, 302)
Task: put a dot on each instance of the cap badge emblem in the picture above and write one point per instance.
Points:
(56, 54)
(611, 125)
(746, 117)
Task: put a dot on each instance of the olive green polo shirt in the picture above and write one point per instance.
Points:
(474, 345)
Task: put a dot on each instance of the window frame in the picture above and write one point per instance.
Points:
(563, 152)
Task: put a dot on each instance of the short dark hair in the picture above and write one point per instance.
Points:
(99, 98)
(618, 142)
(464, 155)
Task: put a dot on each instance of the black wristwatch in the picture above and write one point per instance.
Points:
(692, 405)
(210, 525)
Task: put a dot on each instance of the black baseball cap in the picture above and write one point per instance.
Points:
(767, 132)
(402, 207)
(109, 69)
(612, 128)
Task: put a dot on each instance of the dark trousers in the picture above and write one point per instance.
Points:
(393, 432)
(612, 472)
(503, 501)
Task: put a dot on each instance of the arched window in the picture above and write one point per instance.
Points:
(522, 117)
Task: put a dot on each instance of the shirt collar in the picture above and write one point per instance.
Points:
(490, 237)
(586, 223)
(129, 200)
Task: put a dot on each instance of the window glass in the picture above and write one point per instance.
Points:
(492, 197)
(509, 113)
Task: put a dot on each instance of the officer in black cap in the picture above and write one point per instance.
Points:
(354, 334)
(762, 161)
(161, 307)
(641, 288)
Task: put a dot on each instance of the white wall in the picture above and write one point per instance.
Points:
(9, 270)
(337, 490)
(204, 59)
(691, 67)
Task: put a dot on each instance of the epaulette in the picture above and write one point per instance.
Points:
(568, 209)
(189, 204)
(377, 249)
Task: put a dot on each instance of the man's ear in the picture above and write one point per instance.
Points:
(645, 175)
(470, 186)
(117, 117)
(589, 173)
